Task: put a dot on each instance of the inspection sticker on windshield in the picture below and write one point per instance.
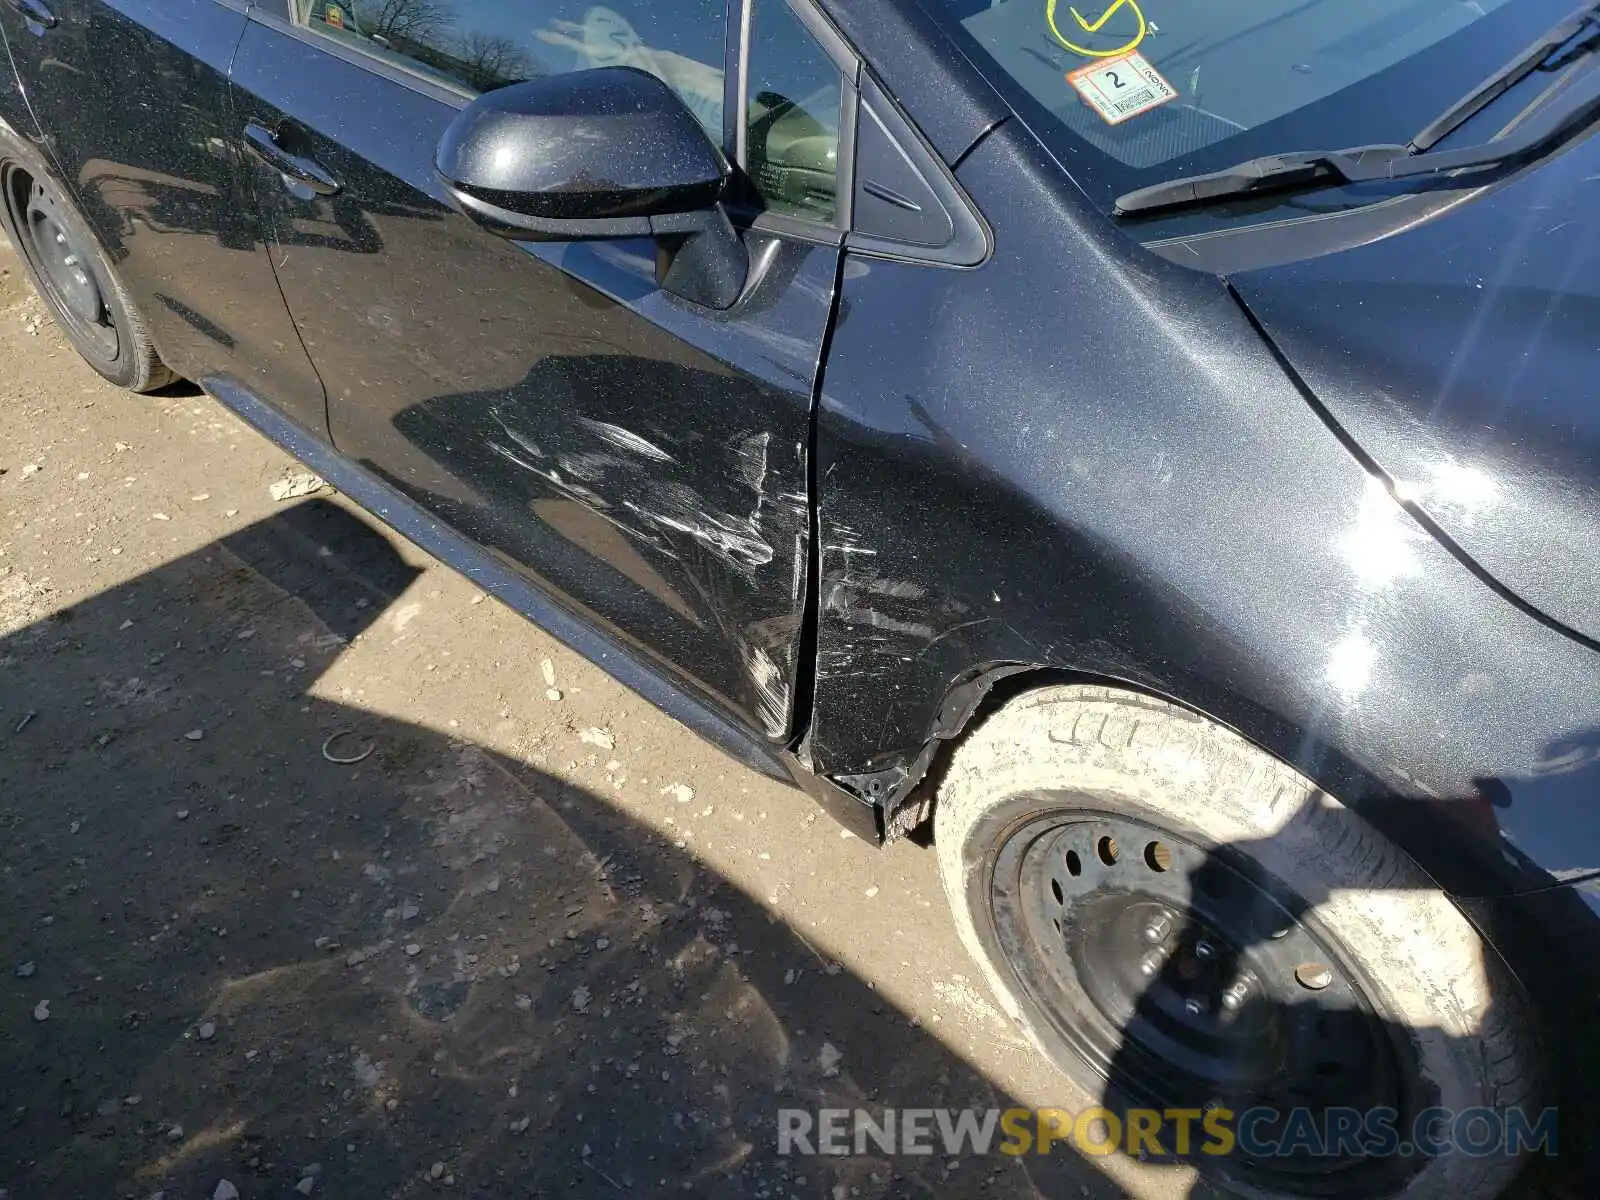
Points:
(1119, 88)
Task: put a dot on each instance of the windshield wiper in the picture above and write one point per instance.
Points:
(1574, 37)
(1578, 35)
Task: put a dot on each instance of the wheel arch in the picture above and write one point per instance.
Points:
(908, 795)
(14, 145)
(969, 702)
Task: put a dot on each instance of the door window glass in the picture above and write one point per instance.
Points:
(792, 124)
(479, 45)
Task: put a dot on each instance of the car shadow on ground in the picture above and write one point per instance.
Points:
(238, 956)
(435, 970)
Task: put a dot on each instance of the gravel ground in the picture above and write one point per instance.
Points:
(525, 946)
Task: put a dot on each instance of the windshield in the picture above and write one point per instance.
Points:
(1164, 87)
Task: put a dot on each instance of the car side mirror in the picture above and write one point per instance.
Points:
(610, 152)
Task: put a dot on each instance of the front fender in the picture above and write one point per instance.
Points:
(1083, 459)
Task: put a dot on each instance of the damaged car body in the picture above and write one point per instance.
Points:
(874, 388)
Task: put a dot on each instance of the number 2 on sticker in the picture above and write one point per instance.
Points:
(1115, 81)
(1096, 26)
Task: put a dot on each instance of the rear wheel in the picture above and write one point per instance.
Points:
(74, 278)
(1181, 922)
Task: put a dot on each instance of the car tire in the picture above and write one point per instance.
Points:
(75, 279)
(1417, 977)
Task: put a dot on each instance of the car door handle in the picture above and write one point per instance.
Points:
(263, 144)
(36, 11)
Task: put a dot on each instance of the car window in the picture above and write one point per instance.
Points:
(1228, 66)
(480, 45)
(1164, 87)
(792, 120)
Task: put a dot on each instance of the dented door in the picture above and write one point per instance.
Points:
(642, 459)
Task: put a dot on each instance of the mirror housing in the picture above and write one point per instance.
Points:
(593, 153)
(610, 152)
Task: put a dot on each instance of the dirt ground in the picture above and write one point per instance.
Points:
(524, 947)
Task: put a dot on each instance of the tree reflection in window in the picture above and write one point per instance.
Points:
(480, 45)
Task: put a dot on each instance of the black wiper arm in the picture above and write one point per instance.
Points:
(1581, 29)
(1273, 173)
(1367, 164)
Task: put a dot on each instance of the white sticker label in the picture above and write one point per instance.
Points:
(1124, 87)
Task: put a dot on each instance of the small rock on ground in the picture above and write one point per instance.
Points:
(829, 1059)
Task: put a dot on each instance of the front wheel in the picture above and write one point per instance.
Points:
(1181, 922)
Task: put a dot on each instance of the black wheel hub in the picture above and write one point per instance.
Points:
(1188, 980)
(65, 271)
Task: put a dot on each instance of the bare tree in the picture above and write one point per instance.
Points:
(417, 22)
(490, 60)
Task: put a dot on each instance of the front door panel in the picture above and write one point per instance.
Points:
(642, 458)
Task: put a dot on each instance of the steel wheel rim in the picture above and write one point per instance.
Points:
(66, 273)
(1114, 928)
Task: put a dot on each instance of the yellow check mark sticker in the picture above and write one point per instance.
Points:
(1104, 17)
(1095, 26)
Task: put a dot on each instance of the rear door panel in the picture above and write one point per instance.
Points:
(14, 109)
(640, 458)
(132, 98)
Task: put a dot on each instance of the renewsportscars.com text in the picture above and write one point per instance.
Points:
(1180, 1132)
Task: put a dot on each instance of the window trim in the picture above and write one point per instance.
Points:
(971, 240)
(738, 78)
(426, 85)
(274, 14)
